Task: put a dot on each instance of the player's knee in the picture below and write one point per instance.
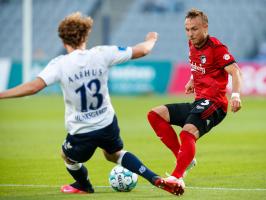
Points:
(112, 157)
(162, 111)
(191, 128)
(66, 159)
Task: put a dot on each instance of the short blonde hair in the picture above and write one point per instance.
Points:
(74, 29)
(197, 13)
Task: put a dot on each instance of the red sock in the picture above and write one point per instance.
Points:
(186, 153)
(164, 131)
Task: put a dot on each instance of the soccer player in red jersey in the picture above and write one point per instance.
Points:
(210, 64)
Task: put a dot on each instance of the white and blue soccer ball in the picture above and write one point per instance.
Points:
(122, 180)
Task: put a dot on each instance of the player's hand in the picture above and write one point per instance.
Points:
(235, 104)
(189, 87)
(151, 36)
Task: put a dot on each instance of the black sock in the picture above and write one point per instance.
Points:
(80, 176)
(132, 163)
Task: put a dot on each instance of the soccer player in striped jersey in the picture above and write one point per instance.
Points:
(210, 63)
(90, 119)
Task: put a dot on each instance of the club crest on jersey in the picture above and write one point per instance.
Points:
(226, 57)
(203, 59)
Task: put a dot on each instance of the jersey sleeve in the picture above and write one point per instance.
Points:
(51, 73)
(115, 55)
(222, 57)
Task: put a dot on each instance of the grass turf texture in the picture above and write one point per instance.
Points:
(231, 158)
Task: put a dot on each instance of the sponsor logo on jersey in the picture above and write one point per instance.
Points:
(195, 67)
(203, 59)
(226, 57)
(122, 48)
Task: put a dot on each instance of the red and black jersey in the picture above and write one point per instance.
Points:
(207, 67)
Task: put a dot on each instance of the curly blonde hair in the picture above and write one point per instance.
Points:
(74, 29)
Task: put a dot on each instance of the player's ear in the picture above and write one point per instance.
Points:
(205, 26)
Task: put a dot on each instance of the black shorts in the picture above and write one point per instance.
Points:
(81, 147)
(201, 113)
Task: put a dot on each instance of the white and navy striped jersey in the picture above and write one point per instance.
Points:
(83, 77)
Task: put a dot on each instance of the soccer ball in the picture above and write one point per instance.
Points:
(122, 180)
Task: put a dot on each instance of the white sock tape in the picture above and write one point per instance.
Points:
(74, 167)
(119, 160)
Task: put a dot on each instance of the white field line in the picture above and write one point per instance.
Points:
(143, 186)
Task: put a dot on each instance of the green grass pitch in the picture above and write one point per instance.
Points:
(231, 158)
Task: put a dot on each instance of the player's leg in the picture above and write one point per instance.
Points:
(74, 153)
(159, 120)
(176, 115)
(80, 174)
(201, 120)
(188, 137)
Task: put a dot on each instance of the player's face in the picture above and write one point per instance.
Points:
(196, 31)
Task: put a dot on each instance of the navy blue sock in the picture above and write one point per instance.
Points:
(80, 176)
(132, 163)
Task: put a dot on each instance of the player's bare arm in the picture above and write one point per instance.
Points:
(235, 72)
(189, 87)
(144, 48)
(25, 89)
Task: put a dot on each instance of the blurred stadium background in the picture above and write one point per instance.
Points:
(28, 38)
